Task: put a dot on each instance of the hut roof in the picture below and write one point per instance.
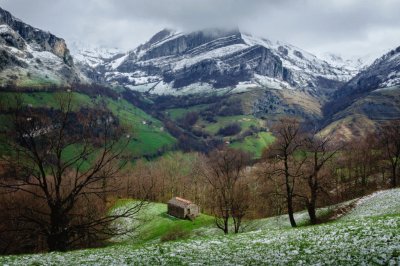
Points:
(177, 201)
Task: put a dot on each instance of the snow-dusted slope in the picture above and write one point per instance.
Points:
(383, 73)
(385, 202)
(353, 64)
(91, 55)
(388, 69)
(30, 56)
(304, 64)
(172, 61)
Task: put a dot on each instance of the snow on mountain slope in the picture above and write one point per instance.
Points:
(304, 63)
(221, 58)
(389, 68)
(354, 64)
(91, 55)
(384, 72)
(30, 56)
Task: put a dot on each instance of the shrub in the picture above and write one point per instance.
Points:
(190, 119)
(230, 130)
(175, 234)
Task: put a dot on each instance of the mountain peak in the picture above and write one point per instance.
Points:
(161, 35)
(219, 58)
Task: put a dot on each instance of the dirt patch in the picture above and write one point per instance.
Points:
(338, 212)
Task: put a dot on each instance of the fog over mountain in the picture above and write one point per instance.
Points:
(345, 27)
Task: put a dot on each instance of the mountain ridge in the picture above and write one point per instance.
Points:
(211, 52)
(371, 97)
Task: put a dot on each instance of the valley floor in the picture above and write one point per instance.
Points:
(368, 235)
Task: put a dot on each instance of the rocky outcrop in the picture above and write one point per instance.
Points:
(193, 43)
(7, 60)
(11, 38)
(232, 69)
(39, 39)
(32, 56)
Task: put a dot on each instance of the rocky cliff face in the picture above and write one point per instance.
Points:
(176, 63)
(32, 56)
(192, 43)
(42, 40)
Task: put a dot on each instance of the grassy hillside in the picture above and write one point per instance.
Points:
(148, 133)
(252, 137)
(254, 144)
(370, 239)
(245, 122)
(154, 224)
(364, 114)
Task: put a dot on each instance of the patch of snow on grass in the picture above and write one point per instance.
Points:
(384, 202)
(361, 242)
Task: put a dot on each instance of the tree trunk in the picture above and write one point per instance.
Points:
(312, 202)
(394, 181)
(226, 226)
(290, 212)
(311, 208)
(57, 239)
(289, 194)
(237, 222)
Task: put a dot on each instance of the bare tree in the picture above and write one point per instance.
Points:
(318, 152)
(285, 164)
(64, 160)
(224, 171)
(362, 162)
(390, 142)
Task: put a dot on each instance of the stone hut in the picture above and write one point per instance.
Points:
(182, 208)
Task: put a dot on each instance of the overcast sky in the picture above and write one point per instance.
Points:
(346, 27)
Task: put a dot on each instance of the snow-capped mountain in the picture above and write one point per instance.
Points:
(382, 73)
(174, 62)
(354, 64)
(92, 55)
(30, 54)
(370, 97)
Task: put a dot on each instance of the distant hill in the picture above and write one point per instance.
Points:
(371, 97)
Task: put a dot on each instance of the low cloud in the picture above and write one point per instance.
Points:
(347, 27)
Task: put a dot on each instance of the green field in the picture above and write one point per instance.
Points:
(147, 132)
(245, 121)
(177, 113)
(47, 99)
(153, 223)
(254, 144)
